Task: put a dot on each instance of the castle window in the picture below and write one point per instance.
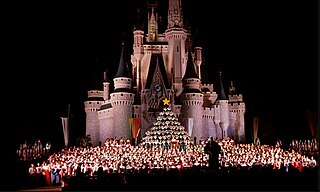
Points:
(121, 94)
(177, 48)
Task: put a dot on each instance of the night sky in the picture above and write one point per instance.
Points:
(268, 48)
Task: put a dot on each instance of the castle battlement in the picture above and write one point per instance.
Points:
(192, 96)
(155, 47)
(95, 93)
(207, 85)
(208, 110)
(236, 104)
(92, 104)
(236, 111)
(207, 116)
(235, 98)
(106, 101)
(237, 107)
(122, 96)
(211, 109)
(192, 80)
(107, 113)
(210, 97)
(125, 79)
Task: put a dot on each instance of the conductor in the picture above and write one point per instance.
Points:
(213, 149)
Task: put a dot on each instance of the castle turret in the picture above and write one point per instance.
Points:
(237, 111)
(198, 60)
(91, 106)
(121, 100)
(176, 36)
(106, 86)
(105, 112)
(192, 99)
(222, 101)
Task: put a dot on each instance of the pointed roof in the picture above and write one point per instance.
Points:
(156, 60)
(139, 23)
(106, 76)
(122, 69)
(190, 70)
(221, 93)
(205, 78)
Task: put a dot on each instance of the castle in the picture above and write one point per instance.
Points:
(164, 65)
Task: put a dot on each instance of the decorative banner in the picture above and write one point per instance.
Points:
(188, 124)
(134, 127)
(65, 127)
(255, 127)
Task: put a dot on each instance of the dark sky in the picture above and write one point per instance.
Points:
(268, 48)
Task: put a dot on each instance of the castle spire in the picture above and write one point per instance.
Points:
(232, 89)
(139, 23)
(122, 69)
(152, 22)
(190, 70)
(175, 16)
(221, 94)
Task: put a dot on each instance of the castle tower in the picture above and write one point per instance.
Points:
(121, 100)
(138, 52)
(222, 101)
(91, 106)
(176, 36)
(237, 110)
(105, 112)
(192, 100)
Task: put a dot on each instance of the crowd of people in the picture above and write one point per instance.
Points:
(309, 147)
(28, 152)
(119, 156)
(247, 155)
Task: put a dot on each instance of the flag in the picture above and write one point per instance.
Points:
(134, 124)
(65, 127)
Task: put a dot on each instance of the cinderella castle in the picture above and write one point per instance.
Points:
(164, 65)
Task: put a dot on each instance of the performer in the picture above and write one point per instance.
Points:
(213, 149)
(46, 172)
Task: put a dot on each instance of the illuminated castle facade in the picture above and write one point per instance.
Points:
(164, 65)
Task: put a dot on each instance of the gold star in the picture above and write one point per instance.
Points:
(166, 101)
